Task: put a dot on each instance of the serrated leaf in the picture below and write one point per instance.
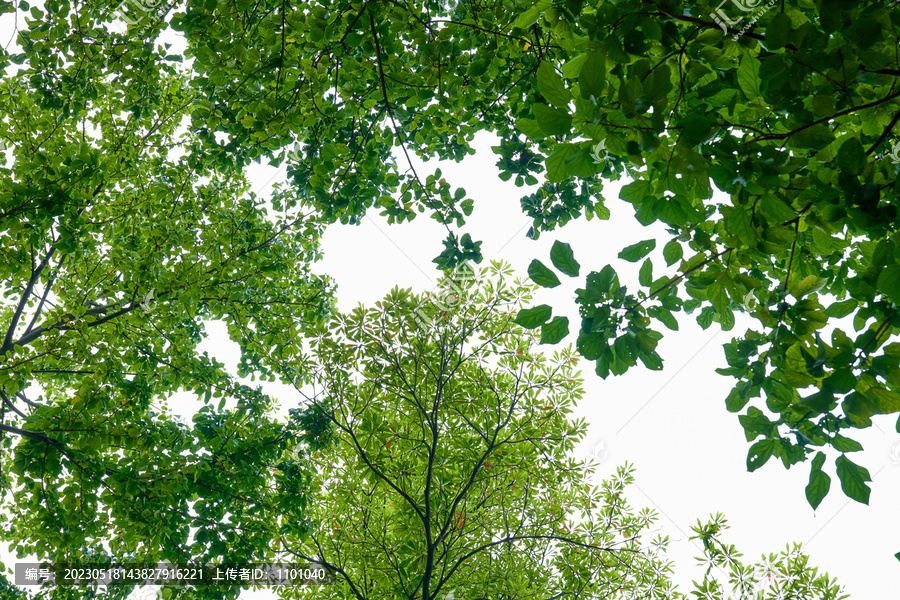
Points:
(563, 258)
(542, 275)
(555, 330)
(853, 479)
(531, 318)
(636, 252)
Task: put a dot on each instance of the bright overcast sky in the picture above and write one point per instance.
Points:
(672, 425)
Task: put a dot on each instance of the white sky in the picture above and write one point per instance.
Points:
(689, 451)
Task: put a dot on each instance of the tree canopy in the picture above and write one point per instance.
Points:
(451, 476)
(115, 251)
(761, 136)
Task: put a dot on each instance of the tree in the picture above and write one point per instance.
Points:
(123, 158)
(118, 243)
(766, 150)
(788, 110)
(449, 474)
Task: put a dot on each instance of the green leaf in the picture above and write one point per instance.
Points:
(853, 479)
(807, 285)
(705, 317)
(667, 319)
(812, 138)
(592, 79)
(636, 252)
(818, 486)
(852, 156)
(672, 252)
(635, 191)
(552, 121)
(671, 212)
(734, 402)
(555, 330)
(839, 310)
(558, 160)
(738, 222)
(531, 128)
(591, 345)
(844, 444)
(889, 282)
(748, 77)
(652, 361)
(759, 454)
(775, 210)
(552, 87)
(645, 275)
(778, 31)
(563, 258)
(718, 297)
(542, 275)
(531, 16)
(886, 401)
(531, 318)
(696, 128)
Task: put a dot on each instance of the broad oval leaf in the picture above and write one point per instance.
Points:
(563, 258)
(542, 275)
(853, 479)
(636, 252)
(759, 454)
(552, 87)
(555, 330)
(531, 318)
(818, 487)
